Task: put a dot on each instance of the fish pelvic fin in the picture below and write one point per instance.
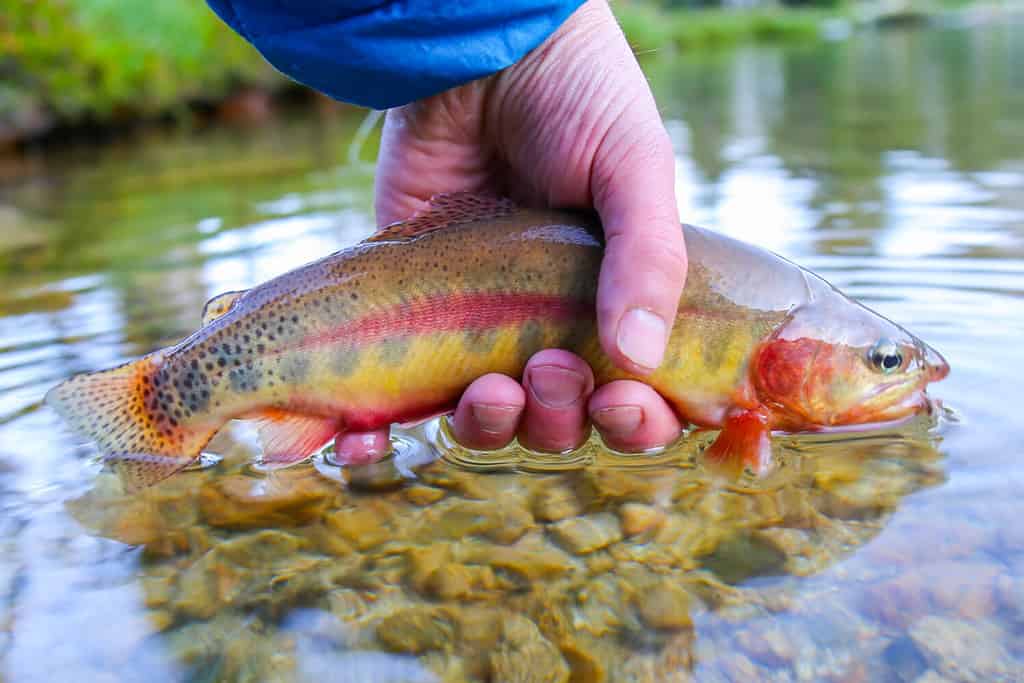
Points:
(288, 438)
(219, 305)
(744, 442)
(444, 211)
(120, 410)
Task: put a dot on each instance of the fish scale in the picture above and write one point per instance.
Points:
(396, 327)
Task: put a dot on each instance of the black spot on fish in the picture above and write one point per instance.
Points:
(574, 336)
(480, 340)
(244, 379)
(530, 341)
(294, 368)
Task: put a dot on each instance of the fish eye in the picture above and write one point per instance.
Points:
(885, 356)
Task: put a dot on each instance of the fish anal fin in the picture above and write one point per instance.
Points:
(138, 471)
(219, 305)
(745, 441)
(288, 437)
(446, 210)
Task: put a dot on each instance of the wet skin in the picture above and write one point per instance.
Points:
(523, 132)
(552, 410)
(398, 328)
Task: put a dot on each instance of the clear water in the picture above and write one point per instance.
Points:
(891, 163)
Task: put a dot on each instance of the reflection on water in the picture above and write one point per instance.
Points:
(891, 163)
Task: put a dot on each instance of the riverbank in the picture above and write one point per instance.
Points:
(97, 68)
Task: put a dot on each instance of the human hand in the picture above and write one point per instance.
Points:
(572, 124)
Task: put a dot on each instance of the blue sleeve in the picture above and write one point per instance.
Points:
(384, 53)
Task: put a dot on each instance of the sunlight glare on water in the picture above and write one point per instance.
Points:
(891, 163)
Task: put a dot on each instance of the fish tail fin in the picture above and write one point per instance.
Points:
(120, 410)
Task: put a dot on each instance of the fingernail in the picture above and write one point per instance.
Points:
(494, 419)
(622, 420)
(556, 387)
(642, 337)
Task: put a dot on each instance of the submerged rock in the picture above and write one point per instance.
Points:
(454, 519)
(964, 588)
(458, 581)
(744, 556)
(555, 503)
(281, 499)
(366, 526)
(418, 630)
(530, 559)
(638, 518)
(423, 495)
(584, 665)
(965, 651)
(263, 568)
(525, 656)
(582, 535)
(611, 484)
(664, 605)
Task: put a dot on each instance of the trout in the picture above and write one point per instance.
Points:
(394, 328)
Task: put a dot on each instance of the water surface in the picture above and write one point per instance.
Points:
(891, 163)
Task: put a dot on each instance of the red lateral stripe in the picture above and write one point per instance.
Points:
(452, 312)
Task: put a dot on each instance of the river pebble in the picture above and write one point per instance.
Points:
(582, 535)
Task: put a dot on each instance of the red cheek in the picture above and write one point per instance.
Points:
(781, 368)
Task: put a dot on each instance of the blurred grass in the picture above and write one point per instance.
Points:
(95, 58)
(650, 27)
(68, 62)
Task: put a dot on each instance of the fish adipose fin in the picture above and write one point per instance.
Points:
(444, 211)
(745, 441)
(288, 438)
(120, 410)
(219, 305)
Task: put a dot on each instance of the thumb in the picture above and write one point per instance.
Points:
(644, 266)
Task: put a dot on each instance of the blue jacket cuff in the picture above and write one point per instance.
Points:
(385, 54)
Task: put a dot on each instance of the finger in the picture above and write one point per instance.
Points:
(488, 412)
(632, 417)
(644, 266)
(558, 384)
(362, 448)
(426, 148)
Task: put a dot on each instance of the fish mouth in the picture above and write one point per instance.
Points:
(936, 367)
(874, 409)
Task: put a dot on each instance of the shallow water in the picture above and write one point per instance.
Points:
(890, 163)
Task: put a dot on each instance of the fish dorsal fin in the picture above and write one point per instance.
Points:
(219, 305)
(444, 211)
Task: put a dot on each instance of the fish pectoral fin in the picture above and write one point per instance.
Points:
(219, 305)
(288, 438)
(745, 441)
(443, 211)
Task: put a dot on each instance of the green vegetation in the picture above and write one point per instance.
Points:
(649, 27)
(96, 59)
(109, 61)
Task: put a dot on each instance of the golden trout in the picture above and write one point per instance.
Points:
(394, 329)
